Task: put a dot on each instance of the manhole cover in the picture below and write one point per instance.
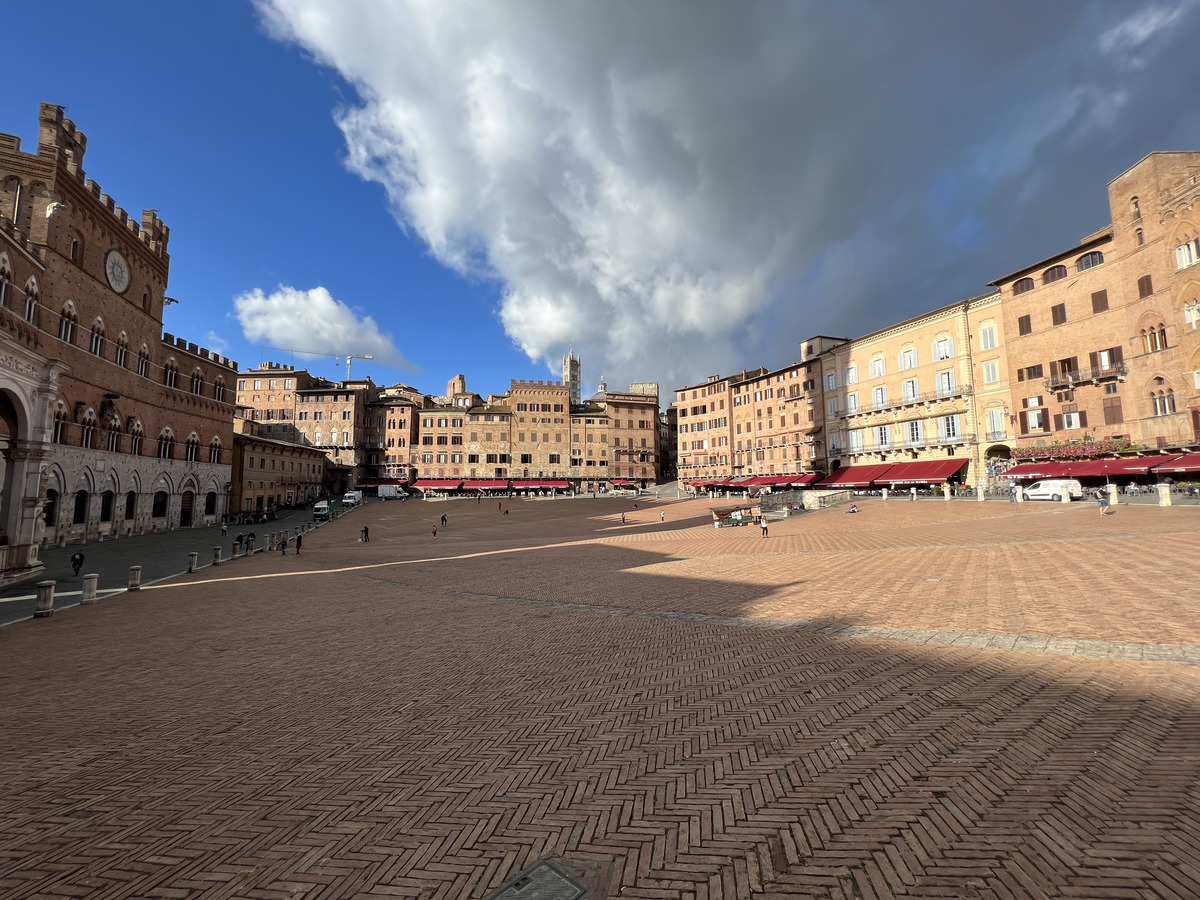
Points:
(543, 881)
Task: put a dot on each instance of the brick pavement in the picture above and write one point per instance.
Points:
(371, 720)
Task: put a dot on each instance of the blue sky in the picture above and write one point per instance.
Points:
(677, 189)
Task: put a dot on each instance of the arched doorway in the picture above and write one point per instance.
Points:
(185, 509)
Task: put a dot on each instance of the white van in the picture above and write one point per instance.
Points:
(1053, 489)
(352, 498)
(320, 510)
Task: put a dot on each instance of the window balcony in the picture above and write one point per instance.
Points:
(914, 443)
(997, 435)
(949, 440)
(1093, 374)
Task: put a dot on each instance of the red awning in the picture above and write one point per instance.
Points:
(558, 485)
(806, 478)
(926, 471)
(1189, 462)
(378, 481)
(1130, 465)
(855, 476)
(437, 484)
(1046, 469)
(621, 482)
(485, 485)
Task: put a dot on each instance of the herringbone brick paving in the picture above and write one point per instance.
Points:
(389, 730)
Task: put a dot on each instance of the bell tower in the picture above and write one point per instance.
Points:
(572, 369)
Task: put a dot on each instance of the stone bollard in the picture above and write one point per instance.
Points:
(216, 556)
(45, 599)
(1066, 495)
(914, 494)
(885, 493)
(946, 492)
(135, 578)
(249, 546)
(979, 493)
(1164, 494)
(237, 551)
(193, 560)
(1020, 494)
(1112, 494)
(89, 589)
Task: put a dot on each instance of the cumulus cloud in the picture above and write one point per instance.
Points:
(312, 319)
(661, 183)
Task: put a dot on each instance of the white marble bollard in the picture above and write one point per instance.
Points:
(45, 599)
(135, 578)
(89, 589)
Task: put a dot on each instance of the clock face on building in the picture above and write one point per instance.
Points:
(117, 269)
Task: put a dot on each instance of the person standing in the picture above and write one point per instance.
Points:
(224, 529)
(435, 531)
(763, 522)
(622, 518)
(662, 515)
(443, 520)
(299, 542)
(283, 547)
(366, 535)
(237, 543)
(1105, 502)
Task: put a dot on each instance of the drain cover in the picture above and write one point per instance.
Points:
(542, 881)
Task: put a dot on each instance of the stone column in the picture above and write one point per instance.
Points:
(1164, 494)
(135, 578)
(89, 589)
(45, 600)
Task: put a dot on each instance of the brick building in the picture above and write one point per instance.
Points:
(1102, 337)
(142, 422)
(391, 431)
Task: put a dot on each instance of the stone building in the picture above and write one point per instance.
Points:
(391, 430)
(142, 423)
(932, 388)
(1102, 337)
(273, 472)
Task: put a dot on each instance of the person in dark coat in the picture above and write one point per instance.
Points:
(77, 561)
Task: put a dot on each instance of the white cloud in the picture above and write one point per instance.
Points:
(661, 183)
(214, 341)
(294, 319)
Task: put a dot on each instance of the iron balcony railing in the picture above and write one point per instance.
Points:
(1088, 373)
(962, 390)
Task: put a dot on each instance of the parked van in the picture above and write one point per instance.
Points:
(320, 510)
(1053, 489)
(352, 498)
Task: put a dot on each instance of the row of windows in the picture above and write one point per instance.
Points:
(1058, 272)
(908, 434)
(91, 434)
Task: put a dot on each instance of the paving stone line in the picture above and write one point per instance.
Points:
(1183, 654)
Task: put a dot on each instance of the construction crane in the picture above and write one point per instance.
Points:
(350, 357)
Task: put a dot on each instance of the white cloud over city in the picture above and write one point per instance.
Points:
(657, 182)
(294, 319)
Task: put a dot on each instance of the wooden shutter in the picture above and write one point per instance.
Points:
(1118, 355)
(1020, 374)
(1058, 422)
(1083, 420)
(1094, 360)
(1046, 420)
(1099, 301)
(1054, 368)
(1024, 422)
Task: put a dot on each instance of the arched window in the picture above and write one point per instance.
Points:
(75, 251)
(191, 449)
(1054, 273)
(135, 439)
(197, 382)
(1141, 237)
(96, 344)
(159, 510)
(130, 506)
(1163, 401)
(144, 362)
(214, 450)
(1154, 338)
(1023, 285)
(87, 430)
(106, 506)
(31, 299)
(59, 434)
(50, 512)
(1187, 253)
(66, 323)
(81, 508)
(1089, 260)
(1136, 207)
(210, 503)
(170, 373)
(317, 439)
(166, 444)
(122, 352)
(219, 390)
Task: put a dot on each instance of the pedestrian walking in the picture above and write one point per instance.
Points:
(443, 520)
(662, 515)
(499, 505)
(763, 522)
(1105, 501)
(250, 541)
(224, 529)
(435, 531)
(299, 541)
(237, 543)
(1012, 493)
(283, 547)
(77, 561)
(622, 518)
